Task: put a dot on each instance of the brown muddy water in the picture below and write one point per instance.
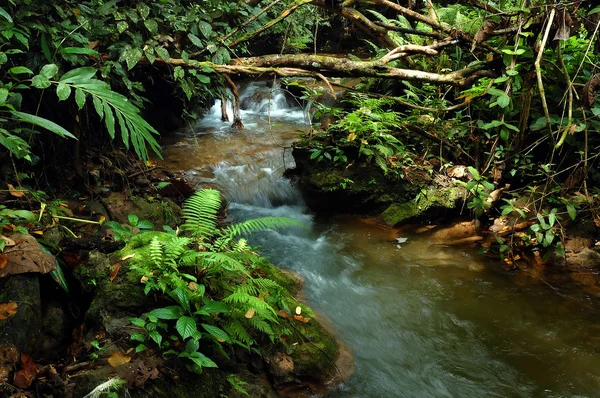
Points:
(421, 319)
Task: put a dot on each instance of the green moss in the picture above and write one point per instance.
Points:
(165, 212)
(445, 198)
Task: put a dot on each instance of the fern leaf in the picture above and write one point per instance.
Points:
(156, 252)
(259, 224)
(200, 212)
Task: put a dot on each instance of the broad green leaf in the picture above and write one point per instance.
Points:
(133, 219)
(63, 91)
(78, 50)
(145, 224)
(3, 58)
(572, 212)
(79, 75)
(132, 56)
(205, 29)
(137, 337)
(503, 100)
(163, 53)
(150, 55)
(178, 73)
(44, 123)
(203, 79)
(17, 70)
(474, 172)
(156, 336)
(49, 71)
(192, 346)
(202, 360)
(26, 215)
(40, 81)
(186, 326)
(6, 15)
(3, 95)
(80, 98)
(216, 332)
(151, 25)
(195, 40)
(122, 26)
(172, 312)
(595, 10)
(140, 348)
(551, 219)
(182, 296)
(215, 307)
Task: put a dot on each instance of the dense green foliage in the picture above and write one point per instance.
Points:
(212, 281)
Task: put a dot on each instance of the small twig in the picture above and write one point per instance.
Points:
(137, 173)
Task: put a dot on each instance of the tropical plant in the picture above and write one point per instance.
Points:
(209, 277)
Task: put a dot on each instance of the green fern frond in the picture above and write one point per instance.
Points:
(217, 262)
(174, 249)
(262, 326)
(262, 308)
(381, 162)
(379, 16)
(238, 332)
(384, 150)
(264, 284)
(200, 212)
(156, 251)
(259, 224)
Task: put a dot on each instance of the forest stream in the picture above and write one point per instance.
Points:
(422, 320)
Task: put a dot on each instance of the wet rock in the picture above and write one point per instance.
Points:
(281, 367)
(24, 328)
(577, 244)
(56, 324)
(433, 201)
(457, 231)
(586, 258)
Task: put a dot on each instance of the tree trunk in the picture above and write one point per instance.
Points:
(237, 114)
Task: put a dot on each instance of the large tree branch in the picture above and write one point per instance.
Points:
(318, 66)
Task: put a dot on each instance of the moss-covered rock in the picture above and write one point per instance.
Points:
(348, 188)
(159, 212)
(432, 201)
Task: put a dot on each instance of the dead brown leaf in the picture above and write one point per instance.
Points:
(3, 260)
(250, 313)
(7, 310)
(15, 192)
(284, 314)
(118, 358)
(26, 256)
(26, 375)
(127, 257)
(193, 286)
(9, 241)
(114, 271)
(301, 318)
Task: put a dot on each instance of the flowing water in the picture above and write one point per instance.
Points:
(422, 320)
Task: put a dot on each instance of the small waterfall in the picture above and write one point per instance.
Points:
(258, 100)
